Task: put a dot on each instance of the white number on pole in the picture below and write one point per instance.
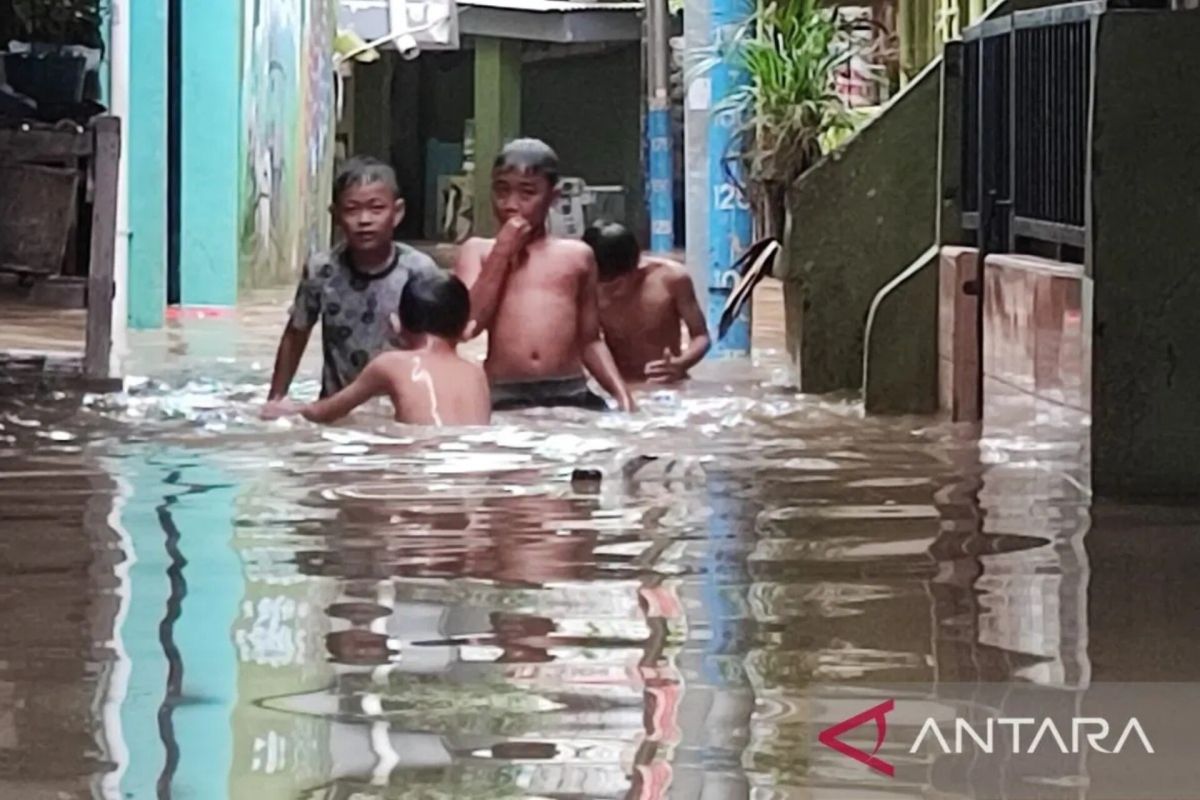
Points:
(728, 198)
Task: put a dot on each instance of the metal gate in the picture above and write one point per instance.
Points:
(1026, 116)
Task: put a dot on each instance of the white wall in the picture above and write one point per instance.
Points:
(119, 101)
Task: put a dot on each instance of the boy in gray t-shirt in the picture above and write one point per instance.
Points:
(356, 286)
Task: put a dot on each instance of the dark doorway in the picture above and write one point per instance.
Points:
(174, 136)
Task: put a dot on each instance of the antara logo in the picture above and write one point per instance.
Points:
(1084, 733)
(878, 715)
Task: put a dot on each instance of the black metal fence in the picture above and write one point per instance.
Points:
(1026, 114)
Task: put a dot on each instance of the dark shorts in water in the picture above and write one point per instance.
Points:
(573, 392)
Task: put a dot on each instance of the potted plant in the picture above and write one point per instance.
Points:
(789, 111)
(48, 58)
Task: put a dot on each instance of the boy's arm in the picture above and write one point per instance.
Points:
(597, 358)
(306, 311)
(676, 367)
(485, 274)
(369, 383)
(287, 360)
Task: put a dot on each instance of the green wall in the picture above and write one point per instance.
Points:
(1145, 263)
(498, 118)
(589, 109)
(858, 219)
(902, 358)
(447, 94)
(599, 140)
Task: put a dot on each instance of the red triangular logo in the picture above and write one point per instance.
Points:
(829, 737)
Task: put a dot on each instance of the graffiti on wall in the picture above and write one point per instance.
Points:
(288, 117)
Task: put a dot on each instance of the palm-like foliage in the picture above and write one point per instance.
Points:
(791, 52)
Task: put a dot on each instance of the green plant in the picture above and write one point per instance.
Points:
(60, 22)
(791, 52)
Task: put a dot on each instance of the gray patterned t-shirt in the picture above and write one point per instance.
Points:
(354, 308)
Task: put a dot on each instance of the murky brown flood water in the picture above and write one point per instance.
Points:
(200, 605)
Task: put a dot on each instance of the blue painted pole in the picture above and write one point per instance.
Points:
(658, 127)
(662, 195)
(730, 224)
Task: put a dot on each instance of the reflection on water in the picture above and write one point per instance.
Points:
(198, 604)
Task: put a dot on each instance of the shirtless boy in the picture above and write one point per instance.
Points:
(643, 303)
(536, 294)
(427, 382)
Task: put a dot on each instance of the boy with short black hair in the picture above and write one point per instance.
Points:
(535, 294)
(644, 302)
(354, 287)
(427, 382)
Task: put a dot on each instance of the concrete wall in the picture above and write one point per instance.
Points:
(398, 106)
(901, 374)
(589, 109)
(209, 145)
(859, 218)
(447, 88)
(255, 128)
(598, 138)
(286, 138)
(1146, 263)
(145, 131)
(904, 368)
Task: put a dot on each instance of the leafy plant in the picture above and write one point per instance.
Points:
(60, 22)
(792, 52)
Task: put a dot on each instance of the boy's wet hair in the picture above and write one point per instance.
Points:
(435, 303)
(364, 171)
(616, 248)
(529, 155)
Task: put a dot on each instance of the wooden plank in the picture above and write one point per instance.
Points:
(104, 233)
(21, 145)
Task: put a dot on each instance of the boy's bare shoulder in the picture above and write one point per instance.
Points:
(570, 247)
(391, 360)
(473, 371)
(669, 272)
(573, 252)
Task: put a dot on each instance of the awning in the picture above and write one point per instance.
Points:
(561, 21)
(436, 24)
(431, 24)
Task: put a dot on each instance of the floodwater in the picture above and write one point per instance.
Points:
(197, 604)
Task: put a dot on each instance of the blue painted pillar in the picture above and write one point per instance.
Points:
(210, 152)
(662, 195)
(658, 127)
(146, 132)
(730, 224)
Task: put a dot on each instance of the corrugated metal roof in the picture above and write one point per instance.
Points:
(554, 6)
